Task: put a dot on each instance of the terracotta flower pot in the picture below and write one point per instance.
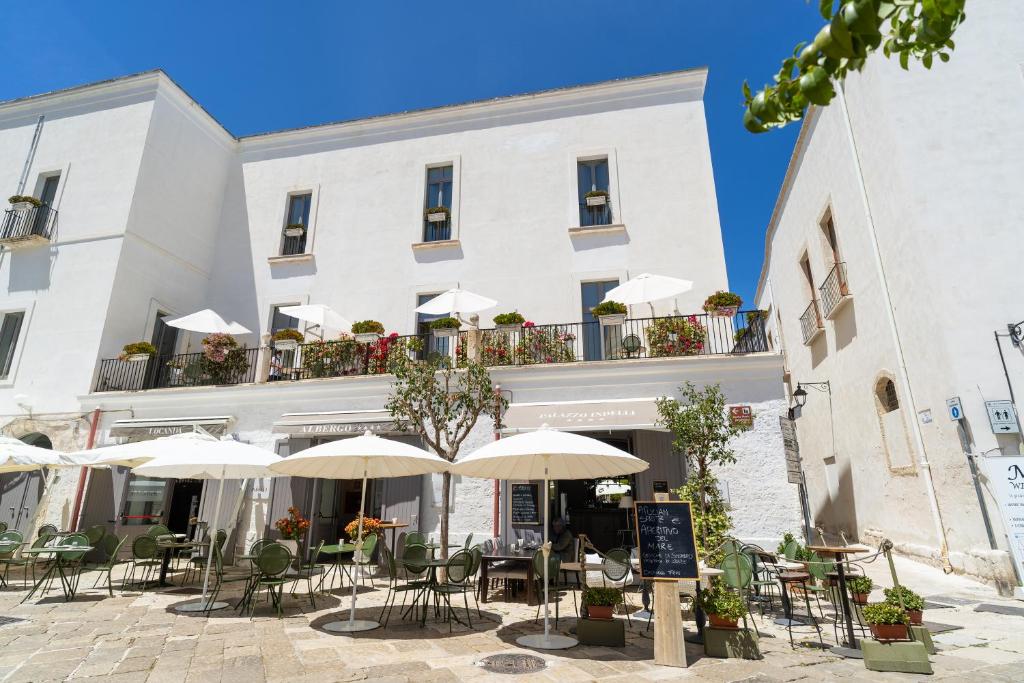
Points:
(722, 622)
(600, 611)
(888, 632)
(860, 598)
(915, 616)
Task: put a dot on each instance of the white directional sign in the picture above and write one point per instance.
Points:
(956, 411)
(1002, 417)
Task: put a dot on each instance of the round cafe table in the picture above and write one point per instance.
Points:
(850, 648)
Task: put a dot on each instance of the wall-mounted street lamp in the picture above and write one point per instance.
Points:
(800, 395)
(1016, 332)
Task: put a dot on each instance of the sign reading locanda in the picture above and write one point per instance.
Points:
(665, 540)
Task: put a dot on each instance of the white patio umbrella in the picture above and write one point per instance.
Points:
(456, 301)
(139, 452)
(18, 456)
(209, 322)
(646, 288)
(547, 454)
(202, 456)
(361, 457)
(318, 315)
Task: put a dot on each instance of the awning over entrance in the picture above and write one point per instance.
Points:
(630, 413)
(338, 423)
(155, 427)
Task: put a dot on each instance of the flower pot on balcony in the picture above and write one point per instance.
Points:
(597, 200)
(367, 337)
(445, 331)
(725, 311)
(22, 206)
(294, 232)
(437, 217)
(508, 329)
(612, 319)
(286, 344)
(137, 357)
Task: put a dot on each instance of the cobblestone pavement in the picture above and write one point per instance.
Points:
(138, 637)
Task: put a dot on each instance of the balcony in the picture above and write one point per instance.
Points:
(835, 291)
(640, 338)
(810, 323)
(27, 227)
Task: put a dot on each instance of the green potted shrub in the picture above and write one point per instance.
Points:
(22, 202)
(287, 339)
(887, 622)
(445, 327)
(137, 352)
(723, 304)
(610, 313)
(913, 603)
(367, 331)
(601, 601)
(723, 607)
(860, 587)
(437, 214)
(294, 230)
(509, 322)
(596, 198)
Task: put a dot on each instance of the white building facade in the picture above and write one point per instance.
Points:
(891, 266)
(160, 212)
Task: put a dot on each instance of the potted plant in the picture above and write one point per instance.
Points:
(509, 322)
(676, 336)
(723, 607)
(887, 622)
(22, 202)
(860, 588)
(367, 331)
(371, 525)
(437, 214)
(292, 528)
(912, 603)
(610, 313)
(723, 304)
(601, 601)
(596, 198)
(223, 361)
(294, 230)
(287, 339)
(137, 352)
(445, 327)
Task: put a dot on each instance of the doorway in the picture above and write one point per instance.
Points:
(20, 492)
(165, 339)
(591, 506)
(595, 337)
(336, 504)
(186, 495)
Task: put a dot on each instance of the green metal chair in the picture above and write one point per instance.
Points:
(273, 563)
(8, 558)
(95, 534)
(764, 581)
(71, 563)
(219, 578)
(111, 547)
(615, 568)
(555, 589)
(457, 574)
(468, 543)
(359, 563)
(306, 571)
(197, 563)
(157, 530)
(739, 576)
(790, 550)
(27, 562)
(3, 527)
(396, 586)
(415, 538)
(47, 530)
(144, 557)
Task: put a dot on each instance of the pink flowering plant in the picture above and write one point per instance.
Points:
(548, 344)
(676, 336)
(223, 361)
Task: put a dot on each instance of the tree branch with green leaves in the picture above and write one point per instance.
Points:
(909, 29)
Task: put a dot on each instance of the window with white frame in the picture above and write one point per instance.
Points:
(437, 203)
(10, 330)
(296, 224)
(593, 191)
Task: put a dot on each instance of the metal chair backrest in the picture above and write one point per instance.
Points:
(477, 554)
(469, 542)
(46, 530)
(316, 552)
(819, 568)
(369, 545)
(111, 545)
(554, 565)
(41, 541)
(389, 562)
(731, 546)
(415, 538)
(144, 547)
(75, 540)
(457, 569)
(157, 530)
(12, 535)
(257, 545)
(738, 571)
(273, 560)
(221, 536)
(95, 533)
(488, 546)
(3, 527)
(790, 550)
(616, 564)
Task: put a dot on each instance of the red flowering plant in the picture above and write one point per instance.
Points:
(371, 525)
(676, 336)
(386, 351)
(294, 526)
(223, 361)
(495, 349)
(549, 344)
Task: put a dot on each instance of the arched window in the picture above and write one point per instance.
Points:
(887, 398)
(38, 440)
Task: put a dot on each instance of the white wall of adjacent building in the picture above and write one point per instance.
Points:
(918, 173)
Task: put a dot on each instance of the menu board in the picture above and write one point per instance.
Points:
(665, 540)
(525, 503)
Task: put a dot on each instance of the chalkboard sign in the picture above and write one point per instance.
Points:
(665, 540)
(525, 503)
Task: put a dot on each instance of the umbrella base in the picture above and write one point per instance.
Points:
(351, 626)
(550, 642)
(200, 606)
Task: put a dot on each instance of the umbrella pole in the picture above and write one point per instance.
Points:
(353, 624)
(201, 606)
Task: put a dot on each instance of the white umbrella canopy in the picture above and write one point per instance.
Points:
(140, 452)
(456, 301)
(647, 288)
(18, 456)
(318, 315)
(360, 457)
(547, 454)
(208, 322)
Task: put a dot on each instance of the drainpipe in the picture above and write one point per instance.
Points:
(926, 470)
(31, 155)
(83, 475)
(496, 510)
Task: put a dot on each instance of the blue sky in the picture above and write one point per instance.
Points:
(260, 66)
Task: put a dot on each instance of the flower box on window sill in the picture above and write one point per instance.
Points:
(445, 331)
(437, 217)
(22, 206)
(137, 357)
(511, 328)
(367, 337)
(597, 200)
(286, 344)
(612, 320)
(294, 232)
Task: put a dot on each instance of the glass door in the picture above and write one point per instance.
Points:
(595, 338)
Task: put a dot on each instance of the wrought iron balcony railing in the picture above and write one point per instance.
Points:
(591, 216)
(810, 322)
(240, 366)
(835, 290)
(23, 227)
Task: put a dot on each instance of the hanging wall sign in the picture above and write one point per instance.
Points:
(665, 540)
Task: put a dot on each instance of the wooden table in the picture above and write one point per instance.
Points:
(850, 647)
(507, 555)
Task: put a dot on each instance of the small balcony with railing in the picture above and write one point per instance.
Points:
(835, 291)
(633, 339)
(810, 322)
(26, 225)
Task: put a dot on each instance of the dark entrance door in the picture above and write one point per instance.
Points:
(595, 338)
(165, 339)
(20, 491)
(185, 498)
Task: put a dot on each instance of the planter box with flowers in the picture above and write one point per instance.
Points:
(137, 352)
(860, 587)
(596, 198)
(21, 202)
(294, 230)
(287, 339)
(437, 214)
(610, 313)
(908, 600)
(723, 304)
(293, 528)
(723, 607)
(509, 322)
(887, 622)
(601, 601)
(367, 331)
(223, 360)
(445, 327)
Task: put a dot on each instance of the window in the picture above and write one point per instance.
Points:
(887, 398)
(296, 224)
(828, 227)
(431, 344)
(592, 176)
(48, 193)
(437, 225)
(10, 330)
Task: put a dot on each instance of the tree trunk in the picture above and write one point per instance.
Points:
(446, 483)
